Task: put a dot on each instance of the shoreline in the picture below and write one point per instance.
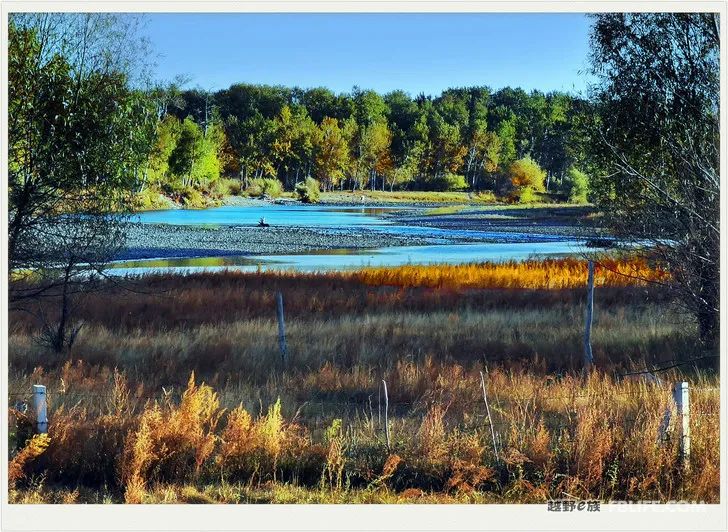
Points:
(469, 224)
(148, 241)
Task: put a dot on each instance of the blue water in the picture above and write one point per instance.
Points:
(449, 246)
(324, 260)
(303, 215)
(330, 217)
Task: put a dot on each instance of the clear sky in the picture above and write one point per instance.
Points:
(413, 52)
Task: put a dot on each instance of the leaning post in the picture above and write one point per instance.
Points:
(281, 328)
(386, 414)
(588, 357)
(490, 419)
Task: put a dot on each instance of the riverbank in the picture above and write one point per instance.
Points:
(355, 198)
(166, 240)
(572, 221)
(226, 232)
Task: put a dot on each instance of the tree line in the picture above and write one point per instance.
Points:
(465, 138)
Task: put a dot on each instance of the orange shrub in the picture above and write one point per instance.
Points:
(250, 448)
(171, 442)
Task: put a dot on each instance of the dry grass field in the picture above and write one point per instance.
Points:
(175, 390)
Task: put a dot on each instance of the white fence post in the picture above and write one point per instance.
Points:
(681, 395)
(588, 357)
(281, 328)
(490, 420)
(41, 408)
(386, 413)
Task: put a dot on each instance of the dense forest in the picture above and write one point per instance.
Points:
(272, 137)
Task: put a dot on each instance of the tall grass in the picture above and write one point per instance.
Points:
(156, 302)
(597, 438)
(128, 422)
(547, 274)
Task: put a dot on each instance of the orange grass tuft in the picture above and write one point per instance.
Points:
(171, 442)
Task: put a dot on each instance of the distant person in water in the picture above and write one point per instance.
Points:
(262, 223)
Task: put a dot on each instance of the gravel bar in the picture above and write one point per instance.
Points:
(165, 240)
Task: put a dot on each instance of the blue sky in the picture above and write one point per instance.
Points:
(414, 52)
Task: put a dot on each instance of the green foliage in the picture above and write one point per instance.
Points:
(308, 191)
(219, 188)
(187, 151)
(192, 198)
(333, 431)
(166, 135)
(332, 152)
(77, 139)
(359, 139)
(449, 182)
(486, 196)
(363, 140)
(507, 140)
(184, 155)
(656, 145)
(149, 199)
(526, 178)
(525, 195)
(231, 187)
(264, 187)
(576, 186)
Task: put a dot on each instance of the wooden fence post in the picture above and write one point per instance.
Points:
(386, 413)
(588, 357)
(490, 420)
(41, 408)
(281, 328)
(682, 399)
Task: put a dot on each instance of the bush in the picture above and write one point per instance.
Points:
(265, 186)
(234, 186)
(526, 177)
(486, 196)
(149, 199)
(219, 188)
(262, 447)
(449, 183)
(188, 196)
(192, 198)
(308, 191)
(525, 195)
(171, 443)
(576, 186)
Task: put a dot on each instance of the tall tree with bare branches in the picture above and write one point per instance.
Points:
(656, 145)
(79, 129)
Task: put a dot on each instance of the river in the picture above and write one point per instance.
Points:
(451, 246)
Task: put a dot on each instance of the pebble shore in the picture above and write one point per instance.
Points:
(164, 240)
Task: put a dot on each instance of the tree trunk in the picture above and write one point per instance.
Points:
(59, 339)
(708, 327)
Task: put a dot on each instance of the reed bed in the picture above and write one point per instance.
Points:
(550, 274)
